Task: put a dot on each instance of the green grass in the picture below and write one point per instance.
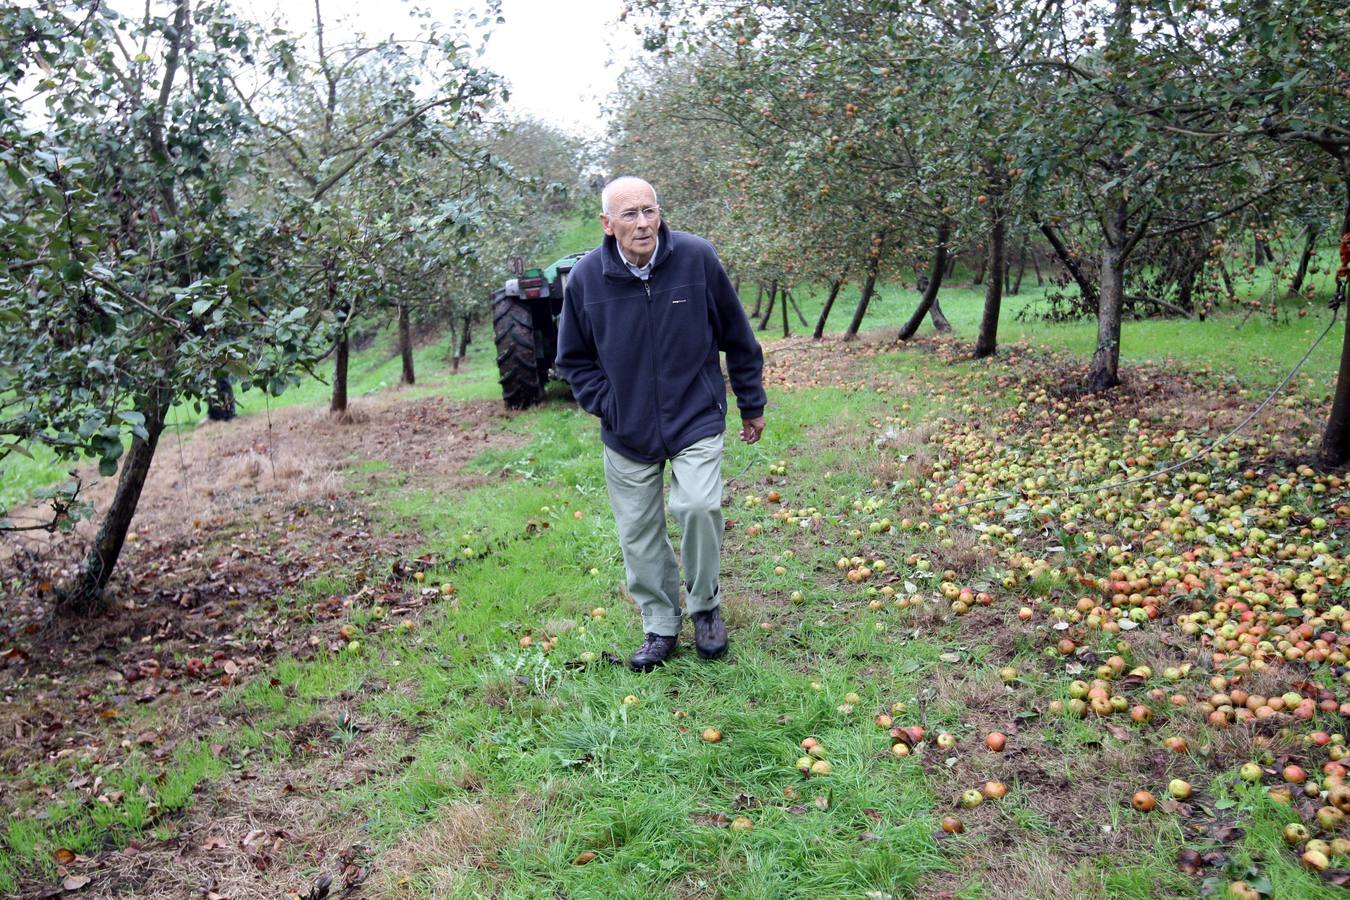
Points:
(1260, 349)
(374, 369)
(583, 234)
(21, 476)
(133, 796)
(492, 726)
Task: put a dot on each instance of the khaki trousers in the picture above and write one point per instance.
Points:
(637, 497)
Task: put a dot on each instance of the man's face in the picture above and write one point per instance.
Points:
(636, 239)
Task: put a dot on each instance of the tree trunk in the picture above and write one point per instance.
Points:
(979, 271)
(1085, 286)
(951, 266)
(1021, 269)
(1309, 245)
(85, 595)
(873, 266)
(797, 309)
(1261, 252)
(338, 405)
(783, 302)
(759, 298)
(825, 312)
(773, 295)
(936, 271)
(939, 320)
(987, 342)
(1227, 279)
(1186, 285)
(1336, 438)
(405, 344)
(1036, 265)
(463, 348)
(1105, 370)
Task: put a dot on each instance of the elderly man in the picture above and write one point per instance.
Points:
(645, 315)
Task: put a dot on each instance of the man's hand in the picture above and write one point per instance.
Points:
(751, 429)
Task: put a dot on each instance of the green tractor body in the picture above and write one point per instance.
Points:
(525, 313)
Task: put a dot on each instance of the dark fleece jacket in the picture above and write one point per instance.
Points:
(644, 356)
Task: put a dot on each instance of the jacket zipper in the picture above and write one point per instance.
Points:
(656, 394)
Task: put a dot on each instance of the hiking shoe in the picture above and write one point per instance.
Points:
(710, 633)
(654, 650)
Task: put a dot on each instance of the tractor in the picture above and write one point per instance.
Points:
(525, 313)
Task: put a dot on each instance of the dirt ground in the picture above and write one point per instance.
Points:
(231, 519)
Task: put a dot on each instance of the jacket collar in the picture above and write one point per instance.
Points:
(614, 266)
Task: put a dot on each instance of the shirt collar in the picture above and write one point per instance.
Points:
(643, 272)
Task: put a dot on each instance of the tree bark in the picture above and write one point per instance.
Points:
(1227, 279)
(338, 404)
(1309, 245)
(1085, 285)
(938, 318)
(936, 271)
(1261, 251)
(1335, 449)
(85, 595)
(1021, 268)
(405, 344)
(773, 296)
(759, 298)
(1186, 286)
(987, 341)
(979, 271)
(873, 266)
(1105, 370)
(463, 349)
(825, 311)
(797, 309)
(783, 302)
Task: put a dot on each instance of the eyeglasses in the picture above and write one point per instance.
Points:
(629, 216)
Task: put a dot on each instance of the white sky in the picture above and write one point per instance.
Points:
(556, 54)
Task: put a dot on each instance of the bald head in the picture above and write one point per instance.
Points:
(624, 186)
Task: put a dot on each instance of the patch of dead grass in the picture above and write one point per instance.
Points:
(465, 835)
(966, 556)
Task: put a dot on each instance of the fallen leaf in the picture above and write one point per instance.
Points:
(583, 858)
(64, 856)
(75, 882)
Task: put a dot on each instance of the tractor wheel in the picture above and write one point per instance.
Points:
(513, 328)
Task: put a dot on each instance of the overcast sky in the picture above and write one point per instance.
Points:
(561, 57)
